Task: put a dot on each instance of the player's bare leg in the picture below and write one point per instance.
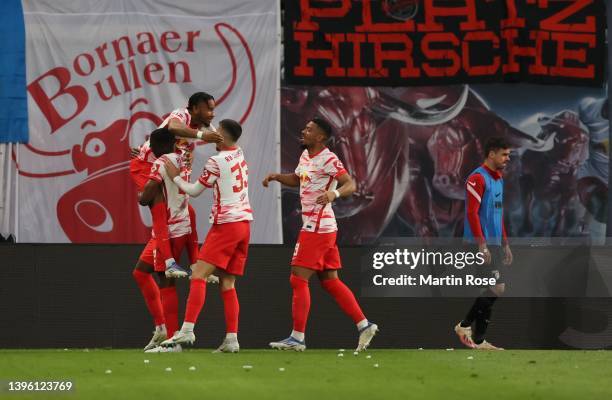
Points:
(347, 302)
(231, 309)
(143, 276)
(195, 302)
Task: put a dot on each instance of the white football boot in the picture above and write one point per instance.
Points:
(158, 337)
(180, 337)
(366, 335)
(228, 346)
(166, 349)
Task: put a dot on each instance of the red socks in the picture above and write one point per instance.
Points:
(169, 300)
(192, 242)
(150, 292)
(160, 229)
(344, 297)
(231, 308)
(195, 301)
(300, 306)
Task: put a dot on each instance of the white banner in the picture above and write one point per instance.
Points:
(102, 74)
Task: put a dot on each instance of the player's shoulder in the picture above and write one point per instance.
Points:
(475, 177)
(172, 157)
(179, 112)
(328, 155)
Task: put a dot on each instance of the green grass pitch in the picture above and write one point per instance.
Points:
(314, 374)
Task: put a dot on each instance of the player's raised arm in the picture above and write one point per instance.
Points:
(179, 128)
(285, 179)
(346, 189)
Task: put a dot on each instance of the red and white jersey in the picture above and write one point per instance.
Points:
(228, 175)
(176, 201)
(318, 175)
(184, 146)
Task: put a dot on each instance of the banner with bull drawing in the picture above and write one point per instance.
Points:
(102, 75)
(411, 149)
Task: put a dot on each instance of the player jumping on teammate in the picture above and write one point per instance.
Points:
(159, 191)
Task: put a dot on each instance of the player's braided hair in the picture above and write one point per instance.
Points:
(197, 98)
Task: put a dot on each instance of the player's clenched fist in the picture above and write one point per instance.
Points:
(212, 137)
(268, 179)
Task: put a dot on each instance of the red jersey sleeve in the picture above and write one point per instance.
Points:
(474, 188)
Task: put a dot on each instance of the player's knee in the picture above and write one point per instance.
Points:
(327, 276)
(136, 273)
(143, 267)
(297, 281)
(201, 270)
(227, 284)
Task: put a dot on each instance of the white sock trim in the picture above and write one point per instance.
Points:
(231, 336)
(187, 327)
(362, 324)
(298, 335)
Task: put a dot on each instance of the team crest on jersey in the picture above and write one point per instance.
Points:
(304, 177)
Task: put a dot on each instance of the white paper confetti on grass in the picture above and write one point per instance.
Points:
(192, 368)
(341, 350)
(355, 353)
(470, 358)
(247, 366)
(368, 356)
(450, 349)
(281, 369)
(146, 361)
(340, 354)
(375, 365)
(108, 371)
(168, 369)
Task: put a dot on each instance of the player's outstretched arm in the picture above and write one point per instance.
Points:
(149, 193)
(192, 189)
(178, 128)
(285, 179)
(347, 188)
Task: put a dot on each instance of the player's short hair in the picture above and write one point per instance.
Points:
(162, 141)
(232, 127)
(325, 126)
(496, 143)
(197, 98)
